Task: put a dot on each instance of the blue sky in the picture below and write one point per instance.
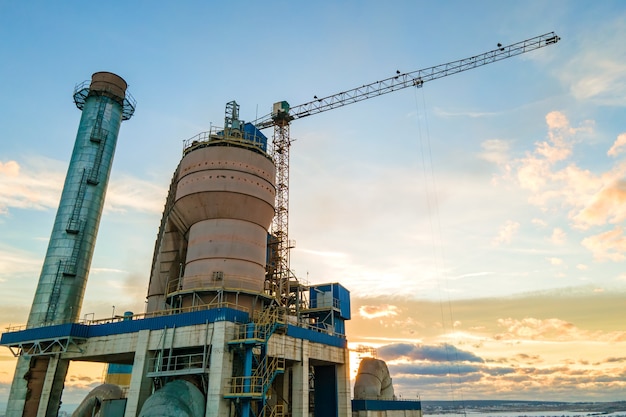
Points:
(456, 214)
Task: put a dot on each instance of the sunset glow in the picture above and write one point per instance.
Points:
(478, 222)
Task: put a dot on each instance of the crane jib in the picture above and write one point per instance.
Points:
(410, 79)
(280, 280)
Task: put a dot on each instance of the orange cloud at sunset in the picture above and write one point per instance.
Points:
(538, 341)
(371, 312)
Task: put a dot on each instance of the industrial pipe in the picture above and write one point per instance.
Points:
(373, 381)
(178, 398)
(90, 406)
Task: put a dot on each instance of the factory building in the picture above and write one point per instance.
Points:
(228, 330)
(216, 338)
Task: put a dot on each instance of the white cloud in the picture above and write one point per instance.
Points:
(16, 262)
(323, 254)
(532, 328)
(556, 184)
(129, 193)
(473, 114)
(606, 205)
(536, 171)
(558, 236)
(107, 270)
(555, 261)
(372, 312)
(495, 151)
(597, 73)
(607, 246)
(37, 189)
(618, 145)
(506, 232)
(36, 184)
(10, 169)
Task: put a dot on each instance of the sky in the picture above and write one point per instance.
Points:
(478, 222)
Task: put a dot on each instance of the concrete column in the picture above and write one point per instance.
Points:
(19, 388)
(300, 387)
(284, 394)
(140, 385)
(343, 386)
(50, 400)
(221, 369)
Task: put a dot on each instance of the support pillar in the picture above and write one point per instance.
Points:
(344, 393)
(300, 381)
(221, 369)
(140, 385)
(50, 400)
(19, 388)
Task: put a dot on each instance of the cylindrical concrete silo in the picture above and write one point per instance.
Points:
(59, 295)
(212, 246)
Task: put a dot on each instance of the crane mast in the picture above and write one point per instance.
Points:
(281, 282)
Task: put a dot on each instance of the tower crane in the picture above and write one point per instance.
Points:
(282, 115)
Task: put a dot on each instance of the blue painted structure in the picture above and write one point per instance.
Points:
(254, 135)
(340, 297)
(84, 331)
(383, 405)
(329, 305)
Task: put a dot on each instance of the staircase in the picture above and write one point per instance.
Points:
(259, 369)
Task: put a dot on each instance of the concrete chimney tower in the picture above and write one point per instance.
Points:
(58, 299)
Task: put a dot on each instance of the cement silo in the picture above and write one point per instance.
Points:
(212, 245)
(65, 269)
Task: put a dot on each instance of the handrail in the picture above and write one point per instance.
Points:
(178, 362)
(140, 316)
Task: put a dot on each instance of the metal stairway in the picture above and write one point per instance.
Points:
(259, 369)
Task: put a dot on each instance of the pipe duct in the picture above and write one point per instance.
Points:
(90, 406)
(373, 381)
(178, 398)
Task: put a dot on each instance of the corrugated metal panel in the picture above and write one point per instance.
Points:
(45, 333)
(343, 295)
(331, 295)
(174, 320)
(118, 379)
(116, 368)
(318, 295)
(317, 337)
(252, 134)
(340, 326)
(125, 326)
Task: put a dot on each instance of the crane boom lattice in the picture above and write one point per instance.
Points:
(282, 115)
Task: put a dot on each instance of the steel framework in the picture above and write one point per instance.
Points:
(282, 116)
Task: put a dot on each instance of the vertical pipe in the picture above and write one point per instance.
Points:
(59, 295)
